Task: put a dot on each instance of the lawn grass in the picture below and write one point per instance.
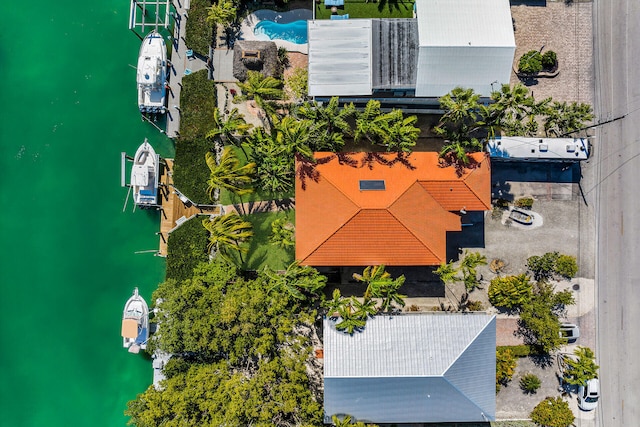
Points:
(228, 198)
(261, 252)
(380, 9)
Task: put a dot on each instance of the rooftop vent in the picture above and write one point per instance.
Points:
(372, 184)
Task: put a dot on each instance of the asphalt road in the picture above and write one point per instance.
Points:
(616, 188)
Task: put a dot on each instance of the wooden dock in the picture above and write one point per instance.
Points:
(176, 208)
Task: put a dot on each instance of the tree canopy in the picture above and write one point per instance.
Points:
(243, 363)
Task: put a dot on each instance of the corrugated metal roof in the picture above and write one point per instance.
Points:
(401, 346)
(340, 57)
(395, 53)
(412, 368)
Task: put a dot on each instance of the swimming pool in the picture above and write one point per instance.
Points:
(294, 32)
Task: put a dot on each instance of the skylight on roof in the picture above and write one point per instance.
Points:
(372, 184)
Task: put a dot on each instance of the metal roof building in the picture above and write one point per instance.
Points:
(467, 43)
(340, 57)
(418, 368)
(451, 43)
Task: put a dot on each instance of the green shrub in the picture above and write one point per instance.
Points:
(552, 412)
(186, 248)
(549, 60)
(530, 383)
(510, 292)
(505, 366)
(198, 32)
(543, 266)
(566, 266)
(522, 350)
(530, 62)
(198, 101)
(524, 202)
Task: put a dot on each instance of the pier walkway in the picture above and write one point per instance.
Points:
(176, 208)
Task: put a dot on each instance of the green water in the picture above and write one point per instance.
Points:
(67, 261)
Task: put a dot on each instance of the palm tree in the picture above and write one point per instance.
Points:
(468, 266)
(370, 123)
(562, 118)
(294, 135)
(330, 123)
(299, 281)
(274, 165)
(447, 273)
(457, 152)
(226, 235)
(461, 114)
(401, 134)
(381, 285)
(223, 12)
(230, 130)
(228, 174)
(261, 89)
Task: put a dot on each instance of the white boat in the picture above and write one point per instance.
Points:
(145, 176)
(135, 323)
(152, 74)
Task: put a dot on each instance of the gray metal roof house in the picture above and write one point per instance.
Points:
(412, 368)
(449, 43)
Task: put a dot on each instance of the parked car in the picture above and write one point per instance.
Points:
(569, 331)
(588, 395)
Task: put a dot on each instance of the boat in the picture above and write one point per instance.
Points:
(145, 176)
(521, 217)
(135, 323)
(152, 74)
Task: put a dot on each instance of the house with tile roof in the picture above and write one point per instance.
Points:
(359, 209)
(413, 368)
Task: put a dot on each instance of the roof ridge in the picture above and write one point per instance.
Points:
(388, 209)
(464, 180)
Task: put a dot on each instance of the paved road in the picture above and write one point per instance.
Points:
(617, 167)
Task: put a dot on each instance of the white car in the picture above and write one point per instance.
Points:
(588, 395)
(569, 331)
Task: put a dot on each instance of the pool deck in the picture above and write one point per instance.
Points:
(246, 27)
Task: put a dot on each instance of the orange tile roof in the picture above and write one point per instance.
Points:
(404, 224)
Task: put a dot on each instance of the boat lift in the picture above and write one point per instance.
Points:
(147, 15)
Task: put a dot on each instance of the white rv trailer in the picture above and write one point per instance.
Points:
(538, 149)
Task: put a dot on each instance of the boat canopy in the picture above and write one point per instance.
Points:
(140, 175)
(130, 328)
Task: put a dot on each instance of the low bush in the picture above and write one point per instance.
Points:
(518, 350)
(530, 383)
(530, 62)
(505, 366)
(524, 202)
(199, 32)
(552, 412)
(566, 266)
(510, 292)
